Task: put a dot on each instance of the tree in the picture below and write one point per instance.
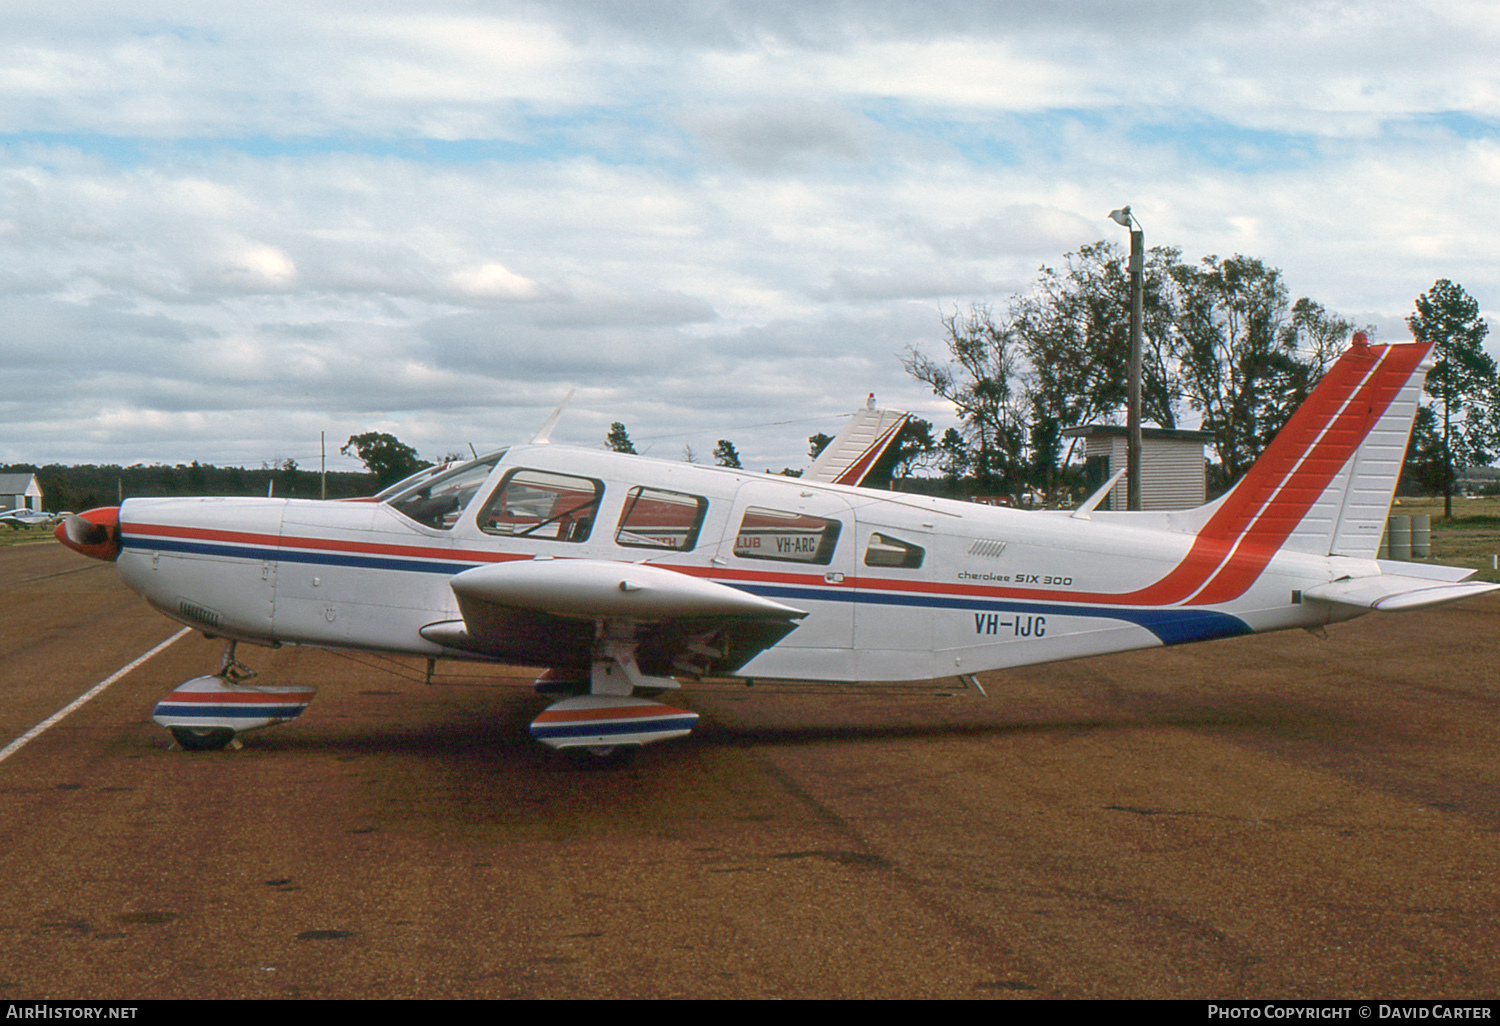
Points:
(1241, 353)
(1221, 335)
(956, 460)
(1462, 382)
(914, 449)
(618, 439)
(385, 456)
(982, 380)
(1074, 328)
(725, 456)
(817, 443)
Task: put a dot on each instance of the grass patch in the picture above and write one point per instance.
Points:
(1471, 539)
(24, 535)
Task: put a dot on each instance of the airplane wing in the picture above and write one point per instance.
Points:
(1402, 586)
(570, 612)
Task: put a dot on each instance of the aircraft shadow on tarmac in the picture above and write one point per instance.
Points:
(500, 733)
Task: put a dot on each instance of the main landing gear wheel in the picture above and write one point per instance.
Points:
(202, 739)
(601, 756)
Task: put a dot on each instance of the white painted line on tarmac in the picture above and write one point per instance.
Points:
(57, 717)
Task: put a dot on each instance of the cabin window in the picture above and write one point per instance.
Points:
(793, 537)
(655, 519)
(541, 504)
(440, 500)
(884, 550)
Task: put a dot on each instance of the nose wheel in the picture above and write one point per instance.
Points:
(206, 713)
(201, 739)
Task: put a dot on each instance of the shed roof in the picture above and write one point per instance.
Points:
(1164, 434)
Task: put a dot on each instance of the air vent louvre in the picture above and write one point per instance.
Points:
(193, 611)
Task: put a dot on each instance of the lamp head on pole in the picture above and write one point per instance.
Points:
(1121, 217)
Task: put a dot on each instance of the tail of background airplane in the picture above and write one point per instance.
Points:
(850, 457)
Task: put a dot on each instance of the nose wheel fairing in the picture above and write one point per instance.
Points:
(213, 709)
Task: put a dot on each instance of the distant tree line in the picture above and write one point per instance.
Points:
(77, 488)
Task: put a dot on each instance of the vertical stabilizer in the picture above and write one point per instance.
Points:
(850, 457)
(1364, 488)
(1324, 484)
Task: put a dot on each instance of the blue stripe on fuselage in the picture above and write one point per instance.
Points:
(1171, 625)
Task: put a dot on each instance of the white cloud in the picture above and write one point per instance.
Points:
(494, 281)
(224, 229)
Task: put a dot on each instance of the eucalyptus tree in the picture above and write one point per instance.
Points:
(1246, 358)
(982, 379)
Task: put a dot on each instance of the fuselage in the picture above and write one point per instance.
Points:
(895, 586)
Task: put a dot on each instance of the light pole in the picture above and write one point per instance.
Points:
(1124, 218)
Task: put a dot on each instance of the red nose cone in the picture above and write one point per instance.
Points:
(95, 533)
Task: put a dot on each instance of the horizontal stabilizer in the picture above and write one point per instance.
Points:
(1395, 592)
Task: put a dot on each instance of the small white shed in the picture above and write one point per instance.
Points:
(1174, 474)
(20, 491)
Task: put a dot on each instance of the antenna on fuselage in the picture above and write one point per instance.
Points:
(544, 436)
(1083, 512)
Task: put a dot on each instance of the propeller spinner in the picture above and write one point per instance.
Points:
(94, 532)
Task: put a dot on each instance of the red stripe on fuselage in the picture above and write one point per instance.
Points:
(319, 544)
(1217, 539)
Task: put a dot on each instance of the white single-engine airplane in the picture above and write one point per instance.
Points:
(623, 573)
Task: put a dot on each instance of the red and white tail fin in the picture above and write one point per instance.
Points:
(1357, 501)
(850, 457)
(1323, 486)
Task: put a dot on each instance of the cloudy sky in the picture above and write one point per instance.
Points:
(226, 227)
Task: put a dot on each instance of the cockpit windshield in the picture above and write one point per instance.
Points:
(439, 500)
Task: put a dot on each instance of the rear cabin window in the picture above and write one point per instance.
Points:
(441, 500)
(884, 550)
(541, 504)
(791, 537)
(656, 519)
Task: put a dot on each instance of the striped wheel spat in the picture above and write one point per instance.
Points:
(214, 702)
(610, 720)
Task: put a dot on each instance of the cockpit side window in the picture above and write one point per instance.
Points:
(541, 504)
(439, 501)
